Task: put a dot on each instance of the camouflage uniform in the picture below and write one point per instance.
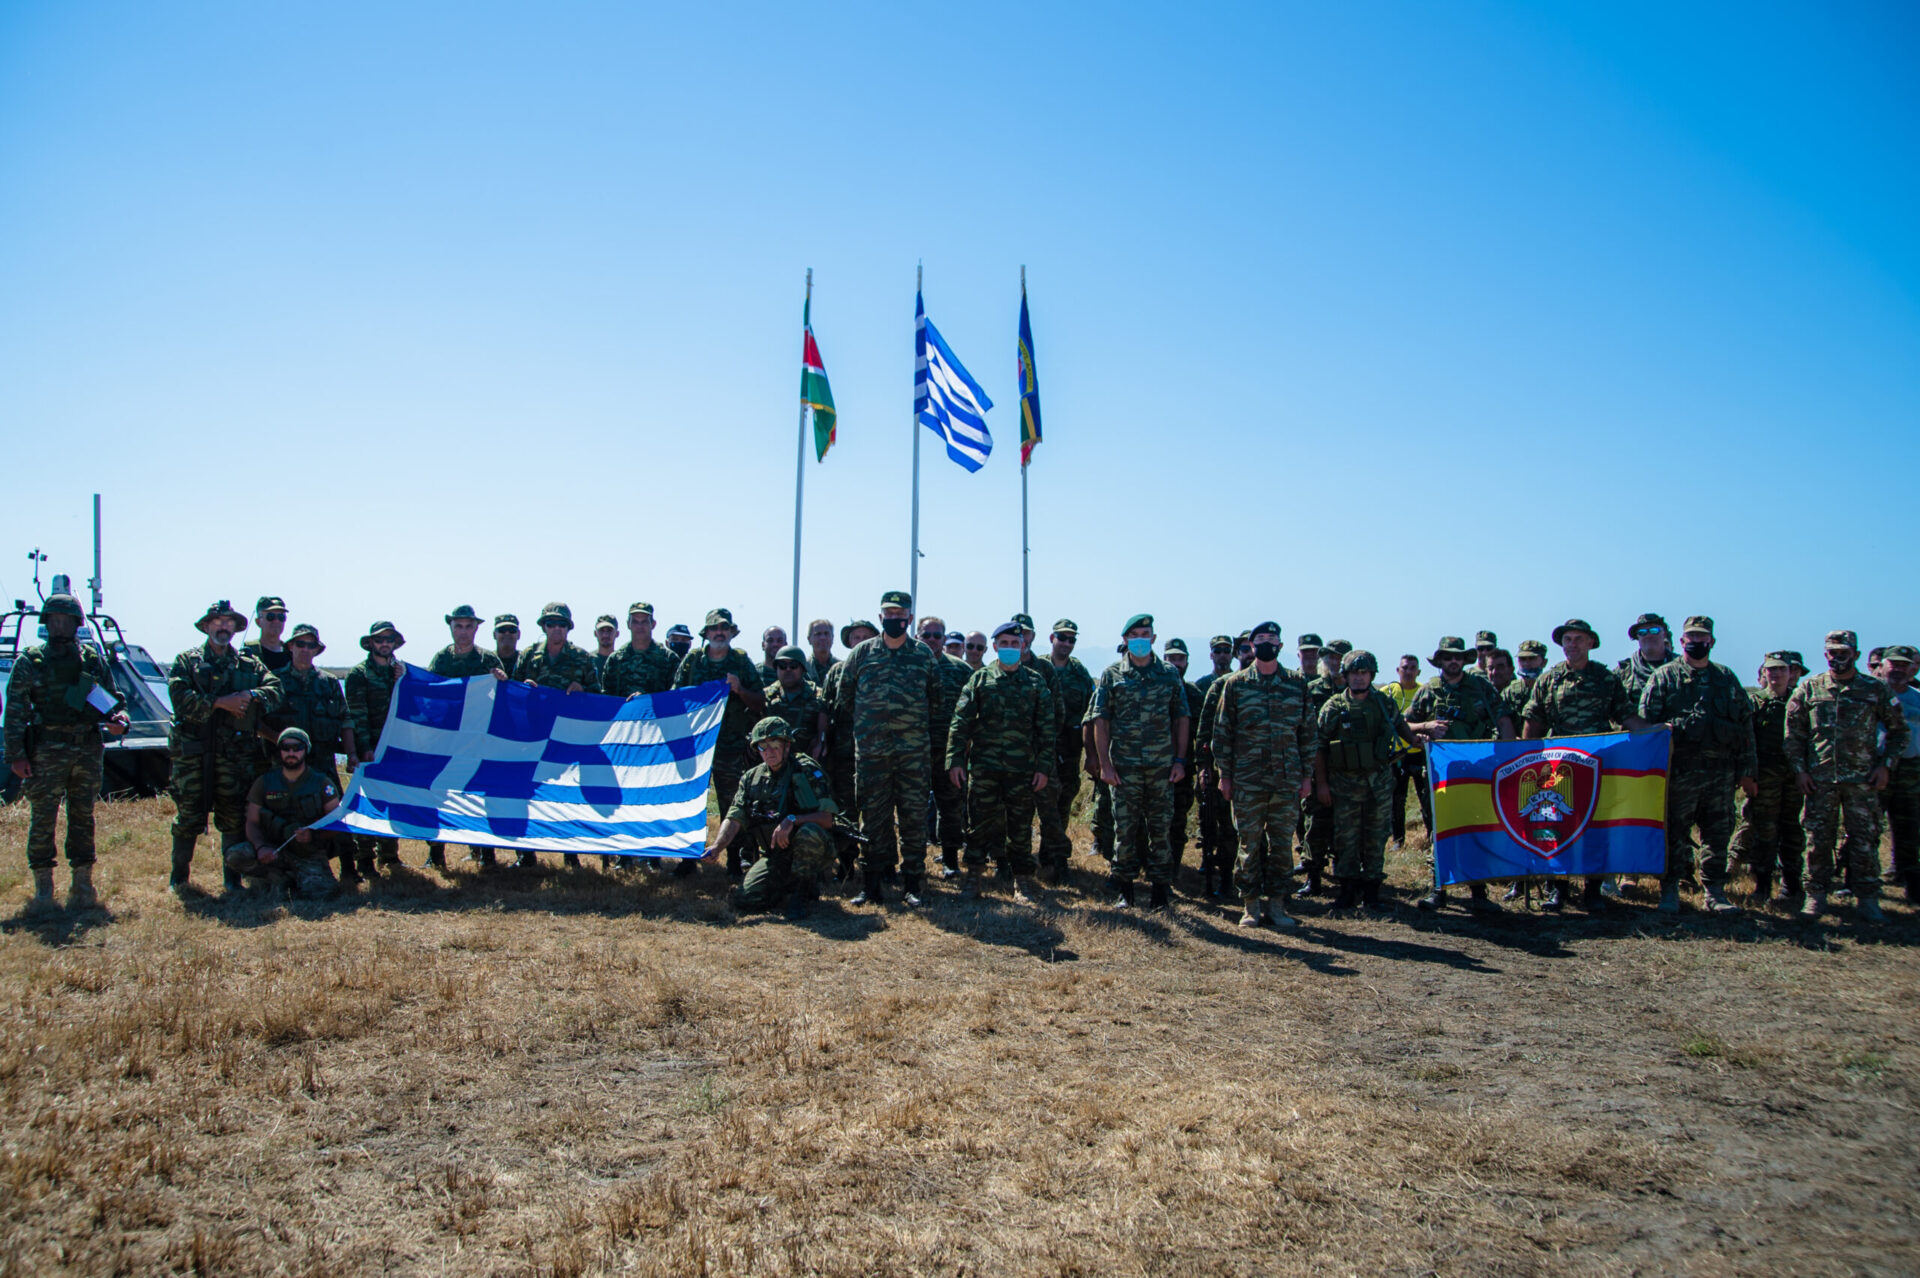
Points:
(760, 802)
(559, 670)
(731, 756)
(888, 696)
(1473, 709)
(369, 690)
(1320, 820)
(1769, 834)
(1004, 726)
(1262, 741)
(817, 668)
(1226, 837)
(800, 710)
(1712, 725)
(1141, 705)
(950, 803)
(1359, 737)
(50, 724)
(840, 761)
(284, 809)
(643, 670)
(1570, 703)
(214, 753)
(449, 663)
(1072, 692)
(316, 704)
(1838, 732)
(1183, 792)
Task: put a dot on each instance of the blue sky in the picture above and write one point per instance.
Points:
(1380, 320)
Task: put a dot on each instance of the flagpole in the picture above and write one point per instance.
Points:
(1025, 550)
(913, 569)
(800, 473)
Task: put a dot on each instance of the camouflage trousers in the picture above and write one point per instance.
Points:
(1265, 815)
(1142, 811)
(1769, 835)
(1320, 825)
(67, 765)
(808, 855)
(1000, 808)
(1100, 821)
(1901, 799)
(1054, 807)
(949, 825)
(1699, 794)
(893, 812)
(840, 775)
(1410, 770)
(212, 784)
(1854, 806)
(1359, 822)
(1219, 833)
(301, 868)
(1183, 791)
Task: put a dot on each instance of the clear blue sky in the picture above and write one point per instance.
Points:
(1380, 320)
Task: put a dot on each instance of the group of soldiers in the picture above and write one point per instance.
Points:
(918, 736)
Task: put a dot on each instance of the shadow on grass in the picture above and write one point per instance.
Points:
(60, 928)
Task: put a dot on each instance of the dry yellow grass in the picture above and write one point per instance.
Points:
(589, 1073)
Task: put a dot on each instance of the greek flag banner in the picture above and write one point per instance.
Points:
(509, 765)
(946, 399)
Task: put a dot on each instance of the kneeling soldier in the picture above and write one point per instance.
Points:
(784, 806)
(1354, 776)
(279, 808)
(1000, 754)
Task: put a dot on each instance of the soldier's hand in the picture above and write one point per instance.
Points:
(22, 769)
(303, 836)
(1109, 775)
(783, 833)
(234, 702)
(501, 675)
(1226, 788)
(958, 776)
(1039, 781)
(734, 686)
(117, 726)
(576, 686)
(1878, 778)
(1749, 787)
(1324, 795)
(1177, 773)
(1091, 766)
(1805, 782)
(1306, 787)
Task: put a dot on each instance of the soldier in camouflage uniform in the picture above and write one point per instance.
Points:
(1706, 709)
(1578, 697)
(772, 640)
(461, 659)
(1322, 688)
(717, 660)
(1844, 730)
(640, 667)
(1175, 654)
(1901, 798)
(1358, 730)
(1655, 637)
(280, 805)
(947, 818)
(821, 660)
(840, 769)
(1261, 750)
(1072, 692)
(1000, 751)
(1056, 849)
(369, 690)
(270, 614)
(1456, 705)
(315, 702)
(793, 698)
(506, 641)
(53, 742)
(1484, 642)
(1769, 836)
(219, 697)
(782, 809)
(1533, 660)
(606, 633)
(1141, 724)
(888, 692)
(1213, 809)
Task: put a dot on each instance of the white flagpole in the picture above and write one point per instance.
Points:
(913, 569)
(800, 467)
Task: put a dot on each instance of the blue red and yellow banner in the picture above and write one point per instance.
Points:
(1561, 806)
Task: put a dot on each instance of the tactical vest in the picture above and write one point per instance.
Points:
(1770, 731)
(286, 808)
(213, 680)
(1466, 715)
(1710, 723)
(1362, 738)
(66, 678)
(319, 708)
(793, 796)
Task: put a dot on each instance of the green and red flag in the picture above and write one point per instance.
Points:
(814, 391)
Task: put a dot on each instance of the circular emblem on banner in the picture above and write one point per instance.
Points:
(1545, 798)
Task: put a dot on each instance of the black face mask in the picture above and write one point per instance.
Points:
(1266, 652)
(1696, 650)
(894, 627)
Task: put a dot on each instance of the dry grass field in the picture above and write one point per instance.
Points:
(584, 1073)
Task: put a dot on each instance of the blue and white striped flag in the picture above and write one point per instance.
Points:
(946, 399)
(508, 765)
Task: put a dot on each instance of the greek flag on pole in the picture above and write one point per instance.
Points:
(508, 765)
(946, 399)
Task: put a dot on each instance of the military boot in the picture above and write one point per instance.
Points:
(80, 891)
(1349, 895)
(42, 902)
(1253, 911)
(1159, 896)
(975, 886)
(872, 893)
(368, 869)
(1715, 896)
(1670, 897)
(1370, 895)
(1312, 873)
(177, 880)
(349, 873)
(1123, 893)
(1868, 908)
(1762, 887)
(1814, 906)
(910, 891)
(1550, 901)
(1479, 902)
(1437, 899)
(572, 860)
(950, 863)
(1024, 893)
(1593, 896)
(796, 907)
(437, 856)
(1277, 913)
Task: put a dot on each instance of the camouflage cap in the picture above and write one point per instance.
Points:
(1697, 625)
(1177, 645)
(62, 606)
(1903, 652)
(718, 617)
(1309, 640)
(773, 727)
(606, 619)
(305, 631)
(1025, 622)
(1137, 619)
(1485, 639)
(221, 608)
(464, 612)
(1341, 646)
(265, 602)
(380, 628)
(1266, 627)
(240, 858)
(791, 653)
(1644, 620)
(557, 612)
(1842, 639)
(506, 621)
(1244, 637)
(636, 609)
(1454, 646)
(1797, 661)
(1358, 659)
(897, 599)
(1065, 626)
(1776, 661)
(294, 734)
(1532, 648)
(1574, 623)
(846, 631)
(1221, 643)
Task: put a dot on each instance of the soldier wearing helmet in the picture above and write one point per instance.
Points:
(782, 807)
(1353, 773)
(280, 807)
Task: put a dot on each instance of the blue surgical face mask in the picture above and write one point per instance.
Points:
(1138, 647)
(1008, 656)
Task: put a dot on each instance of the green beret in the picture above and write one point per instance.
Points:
(1137, 619)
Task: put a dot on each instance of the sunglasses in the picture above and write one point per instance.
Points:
(303, 643)
(976, 647)
(1644, 631)
(1069, 640)
(786, 665)
(273, 616)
